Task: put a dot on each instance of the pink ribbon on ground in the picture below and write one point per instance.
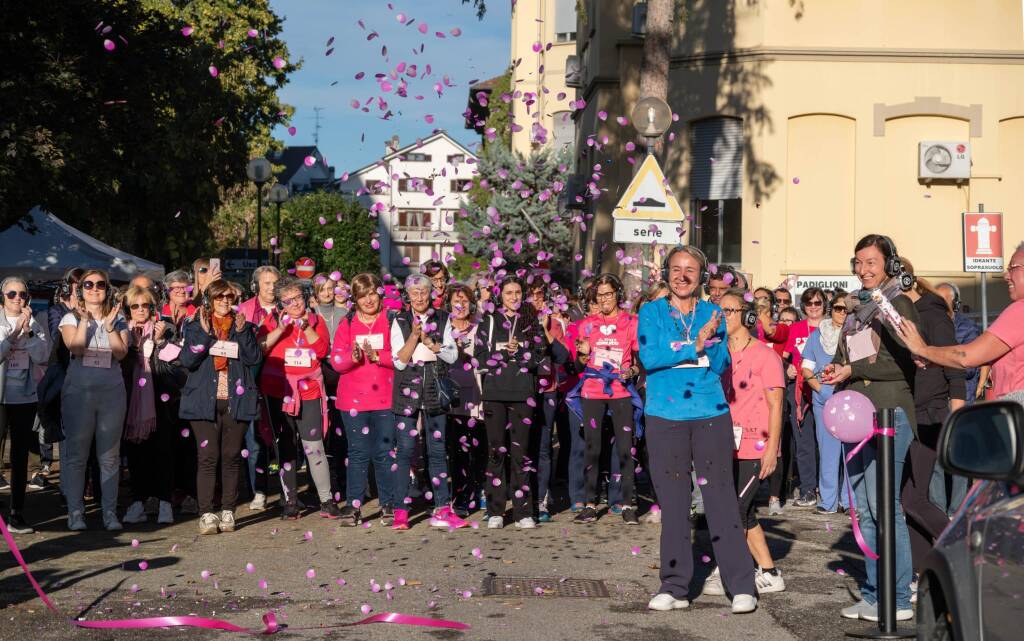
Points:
(270, 624)
(854, 522)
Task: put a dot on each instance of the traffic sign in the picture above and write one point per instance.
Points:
(983, 242)
(661, 232)
(646, 197)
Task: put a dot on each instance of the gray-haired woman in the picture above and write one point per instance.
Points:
(179, 293)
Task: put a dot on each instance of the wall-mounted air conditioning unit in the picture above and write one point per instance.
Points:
(944, 160)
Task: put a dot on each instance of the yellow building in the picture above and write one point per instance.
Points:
(799, 125)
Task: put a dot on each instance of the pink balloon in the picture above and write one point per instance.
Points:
(849, 416)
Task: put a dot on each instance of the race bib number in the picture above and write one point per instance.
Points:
(225, 349)
(423, 354)
(96, 358)
(376, 341)
(860, 345)
(737, 435)
(703, 361)
(169, 352)
(296, 357)
(611, 357)
(17, 359)
(147, 348)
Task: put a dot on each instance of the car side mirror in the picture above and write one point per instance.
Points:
(984, 441)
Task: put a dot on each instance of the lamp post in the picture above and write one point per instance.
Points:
(259, 171)
(651, 116)
(278, 194)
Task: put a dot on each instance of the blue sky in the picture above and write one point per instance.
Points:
(480, 52)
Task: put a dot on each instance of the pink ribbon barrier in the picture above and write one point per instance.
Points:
(854, 522)
(270, 624)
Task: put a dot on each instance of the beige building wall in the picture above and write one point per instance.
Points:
(834, 97)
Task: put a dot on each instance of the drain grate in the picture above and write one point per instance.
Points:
(540, 586)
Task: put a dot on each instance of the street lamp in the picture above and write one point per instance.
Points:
(278, 194)
(651, 117)
(259, 171)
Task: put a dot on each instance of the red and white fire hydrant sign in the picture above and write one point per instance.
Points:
(983, 242)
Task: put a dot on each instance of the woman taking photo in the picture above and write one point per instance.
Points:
(605, 352)
(23, 347)
(361, 355)
(93, 397)
(511, 346)
(683, 350)
(148, 444)
(219, 398)
(294, 341)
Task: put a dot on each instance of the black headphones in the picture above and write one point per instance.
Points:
(748, 316)
(705, 275)
(894, 267)
(64, 288)
(306, 293)
(466, 289)
(616, 283)
(957, 304)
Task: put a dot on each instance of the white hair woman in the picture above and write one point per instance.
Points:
(23, 345)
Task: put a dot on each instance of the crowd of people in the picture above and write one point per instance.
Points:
(447, 398)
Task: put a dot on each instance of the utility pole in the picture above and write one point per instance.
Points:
(316, 127)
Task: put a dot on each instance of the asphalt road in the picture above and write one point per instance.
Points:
(98, 575)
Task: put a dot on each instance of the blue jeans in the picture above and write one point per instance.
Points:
(864, 477)
(549, 403)
(830, 452)
(371, 436)
(804, 440)
(437, 456)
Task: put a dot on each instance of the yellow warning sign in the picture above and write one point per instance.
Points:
(646, 197)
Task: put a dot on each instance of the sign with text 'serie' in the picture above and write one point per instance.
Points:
(983, 242)
(647, 212)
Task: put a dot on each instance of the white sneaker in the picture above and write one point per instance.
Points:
(227, 521)
(526, 523)
(76, 521)
(189, 506)
(209, 524)
(495, 523)
(713, 584)
(664, 602)
(743, 603)
(166, 513)
(110, 521)
(768, 582)
(652, 518)
(901, 615)
(136, 513)
(774, 507)
(259, 502)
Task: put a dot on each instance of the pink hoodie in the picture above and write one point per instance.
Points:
(363, 386)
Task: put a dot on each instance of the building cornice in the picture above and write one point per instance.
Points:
(854, 54)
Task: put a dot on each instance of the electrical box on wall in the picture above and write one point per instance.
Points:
(944, 160)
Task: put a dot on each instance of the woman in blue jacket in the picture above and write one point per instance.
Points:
(220, 397)
(684, 352)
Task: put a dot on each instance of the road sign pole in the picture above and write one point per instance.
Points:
(984, 288)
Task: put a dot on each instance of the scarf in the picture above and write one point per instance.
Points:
(221, 326)
(141, 421)
(829, 336)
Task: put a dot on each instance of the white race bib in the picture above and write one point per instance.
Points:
(147, 348)
(17, 359)
(376, 341)
(860, 345)
(96, 358)
(226, 349)
(612, 357)
(703, 361)
(297, 357)
(423, 354)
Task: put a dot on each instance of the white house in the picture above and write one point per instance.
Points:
(416, 191)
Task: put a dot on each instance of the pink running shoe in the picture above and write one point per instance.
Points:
(401, 520)
(446, 518)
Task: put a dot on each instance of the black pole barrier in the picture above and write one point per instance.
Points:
(885, 461)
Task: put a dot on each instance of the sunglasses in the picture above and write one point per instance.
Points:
(813, 303)
(137, 306)
(839, 308)
(100, 285)
(225, 296)
(203, 270)
(11, 295)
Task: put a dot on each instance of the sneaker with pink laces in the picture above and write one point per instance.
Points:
(446, 517)
(401, 520)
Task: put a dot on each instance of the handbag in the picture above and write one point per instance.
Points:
(447, 391)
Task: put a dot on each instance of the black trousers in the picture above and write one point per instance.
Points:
(506, 423)
(623, 428)
(467, 451)
(19, 418)
(151, 463)
(219, 446)
(925, 520)
(708, 445)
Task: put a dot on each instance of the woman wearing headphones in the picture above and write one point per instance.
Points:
(605, 352)
(294, 340)
(179, 304)
(511, 345)
(23, 346)
(93, 397)
(361, 355)
(261, 305)
(219, 398)
(683, 349)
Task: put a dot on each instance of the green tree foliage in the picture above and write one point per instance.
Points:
(123, 128)
(509, 192)
(500, 111)
(347, 224)
(479, 5)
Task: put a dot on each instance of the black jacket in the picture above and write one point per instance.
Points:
(935, 385)
(415, 386)
(199, 396)
(510, 378)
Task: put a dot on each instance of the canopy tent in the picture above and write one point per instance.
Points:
(44, 247)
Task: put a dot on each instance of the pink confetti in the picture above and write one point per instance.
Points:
(250, 568)
(187, 30)
(142, 382)
(365, 608)
(477, 553)
(214, 72)
(185, 433)
(310, 573)
(841, 572)
(796, 181)
(143, 565)
(165, 397)
(308, 535)
(135, 543)
(109, 45)
(635, 550)
(279, 62)
(456, 32)
(205, 574)
(705, 558)
(309, 161)
(262, 584)
(245, 453)
(701, 480)
(329, 243)
(204, 443)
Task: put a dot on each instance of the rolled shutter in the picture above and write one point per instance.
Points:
(565, 16)
(716, 172)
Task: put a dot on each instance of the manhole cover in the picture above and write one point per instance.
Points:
(524, 586)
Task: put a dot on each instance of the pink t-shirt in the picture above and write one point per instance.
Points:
(612, 341)
(1008, 371)
(754, 371)
(799, 332)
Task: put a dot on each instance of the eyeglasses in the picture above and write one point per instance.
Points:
(813, 303)
(838, 309)
(137, 306)
(100, 285)
(605, 294)
(225, 296)
(11, 295)
(178, 289)
(288, 302)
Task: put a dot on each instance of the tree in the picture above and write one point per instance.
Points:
(479, 5)
(348, 228)
(135, 128)
(499, 117)
(657, 51)
(513, 210)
